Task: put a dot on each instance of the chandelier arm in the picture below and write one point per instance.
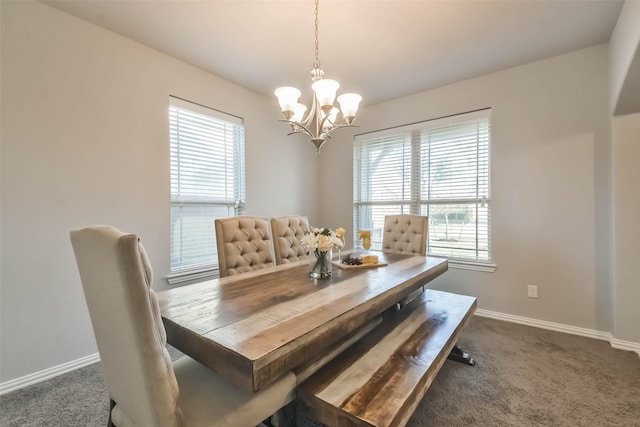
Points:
(318, 123)
(293, 132)
(328, 133)
(313, 112)
(298, 128)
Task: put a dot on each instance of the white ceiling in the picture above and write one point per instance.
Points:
(380, 49)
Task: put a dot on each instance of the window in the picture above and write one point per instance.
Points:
(207, 182)
(438, 168)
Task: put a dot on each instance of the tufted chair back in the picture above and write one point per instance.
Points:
(405, 234)
(287, 232)
(116, 277)
(244, 244)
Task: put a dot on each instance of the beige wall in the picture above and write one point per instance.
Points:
(624, 63)
(85, 141)
(626, 226)
(550, 139)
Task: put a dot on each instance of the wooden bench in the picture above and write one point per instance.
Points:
(379, 380)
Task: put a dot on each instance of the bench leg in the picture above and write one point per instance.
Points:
(286, 416)
(112, 404)
(459, 355)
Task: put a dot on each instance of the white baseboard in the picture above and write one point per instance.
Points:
(27, 380)
(624, 345)
(559, 327)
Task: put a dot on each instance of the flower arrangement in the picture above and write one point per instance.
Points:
(323, 239)
(319, 242)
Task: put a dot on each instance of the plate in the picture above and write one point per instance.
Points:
(342, 266)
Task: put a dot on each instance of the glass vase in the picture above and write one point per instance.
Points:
(320, 264)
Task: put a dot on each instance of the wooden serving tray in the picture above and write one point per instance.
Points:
(356, 267)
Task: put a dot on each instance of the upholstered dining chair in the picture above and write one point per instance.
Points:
(405, 234)
(244, 244)
(144, 386)
(287, 232)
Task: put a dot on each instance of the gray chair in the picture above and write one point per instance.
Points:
(405, 234)
(287, 232)
(144, 386)
(244, 244)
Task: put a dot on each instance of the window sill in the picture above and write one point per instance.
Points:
(475, 266)
(191, 275)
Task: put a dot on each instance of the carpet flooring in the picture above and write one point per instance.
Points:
(524, 376)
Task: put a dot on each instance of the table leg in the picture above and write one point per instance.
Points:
(459, 355)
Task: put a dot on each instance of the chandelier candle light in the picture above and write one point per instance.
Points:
(323, 116)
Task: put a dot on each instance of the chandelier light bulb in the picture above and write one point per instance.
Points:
(331, 119)
(298, 112)
(349, 103)
(325, 90)
(288, 99)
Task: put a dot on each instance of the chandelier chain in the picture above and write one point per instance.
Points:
(316, 63)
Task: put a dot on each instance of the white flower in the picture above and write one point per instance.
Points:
(309, 241)
(324, 242)
(321, 239)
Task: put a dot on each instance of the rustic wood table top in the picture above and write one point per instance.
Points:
(253, 327)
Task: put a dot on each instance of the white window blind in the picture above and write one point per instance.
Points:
(207, 181)
(438, 168)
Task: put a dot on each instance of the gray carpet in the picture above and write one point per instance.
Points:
(524, 377)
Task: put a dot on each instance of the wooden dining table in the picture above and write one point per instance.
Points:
(252, 328)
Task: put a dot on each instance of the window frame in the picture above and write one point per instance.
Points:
(409, 140)
(195, 197)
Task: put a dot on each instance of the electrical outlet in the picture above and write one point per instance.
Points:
(532, 291)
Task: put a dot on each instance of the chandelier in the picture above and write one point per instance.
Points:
(322, 119)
